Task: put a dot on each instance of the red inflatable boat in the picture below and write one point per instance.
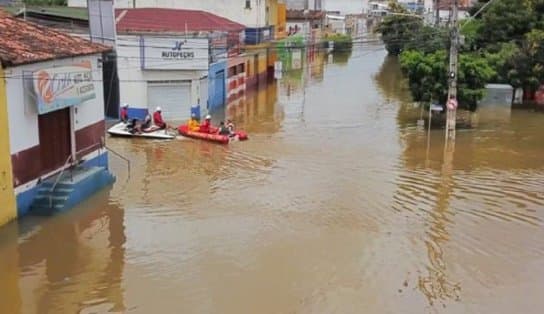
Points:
(213, 136)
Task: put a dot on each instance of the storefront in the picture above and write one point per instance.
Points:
(165, 71)
(54, 98)
(175, 65)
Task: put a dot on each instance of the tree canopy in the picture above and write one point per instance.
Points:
(503, 44)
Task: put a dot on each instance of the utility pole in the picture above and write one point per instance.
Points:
(451, 106)
(437, 12)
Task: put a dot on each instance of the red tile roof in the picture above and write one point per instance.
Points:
(23, 42)
(156, 20)
(446, 4)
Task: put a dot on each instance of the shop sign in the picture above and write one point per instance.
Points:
(175, 53)
(64, 86)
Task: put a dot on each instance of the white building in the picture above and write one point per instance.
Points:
(251, 13)
(169, 64)
(317, 5)
(55, 102)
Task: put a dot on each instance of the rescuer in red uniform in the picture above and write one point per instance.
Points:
(207, 125)
(157, 119)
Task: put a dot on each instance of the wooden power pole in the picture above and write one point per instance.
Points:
(454, 60)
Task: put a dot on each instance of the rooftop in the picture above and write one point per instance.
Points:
(156, 20)
(23, 42)
(299, 15)
(58, 11)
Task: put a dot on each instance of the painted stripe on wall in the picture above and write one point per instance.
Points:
(8, 210)
(89, 138)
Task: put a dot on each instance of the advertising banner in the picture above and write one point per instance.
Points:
(60, 87)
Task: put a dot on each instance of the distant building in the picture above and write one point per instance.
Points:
(259, 16)
(335, 23)
(302, 21)
(316, 5)
(378, 8)
(54, 99)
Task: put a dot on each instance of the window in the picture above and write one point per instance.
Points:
(248, 4)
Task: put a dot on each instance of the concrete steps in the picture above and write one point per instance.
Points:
(70, 190)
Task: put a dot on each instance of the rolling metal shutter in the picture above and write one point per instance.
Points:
(174, 97)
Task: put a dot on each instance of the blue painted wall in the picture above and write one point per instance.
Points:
(217, 86)
(25, 199)
(259, 35)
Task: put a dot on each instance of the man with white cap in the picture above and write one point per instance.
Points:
(157, 119)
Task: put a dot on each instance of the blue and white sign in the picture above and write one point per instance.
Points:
(174, 53)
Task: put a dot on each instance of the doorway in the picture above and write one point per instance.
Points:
(55, 139)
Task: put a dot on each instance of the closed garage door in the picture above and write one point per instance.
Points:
(173, 97)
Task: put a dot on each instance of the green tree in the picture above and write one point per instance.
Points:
(428, 80)
(505, 21)
(398, 30)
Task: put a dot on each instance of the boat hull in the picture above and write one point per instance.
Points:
(121, 130)
(212, 137)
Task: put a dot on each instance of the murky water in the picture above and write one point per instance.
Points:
(339, 203)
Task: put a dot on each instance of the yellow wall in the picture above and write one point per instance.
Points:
(8, 209)
(263, 62)
(282, 21)
(273, 12)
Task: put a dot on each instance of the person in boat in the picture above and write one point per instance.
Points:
(124, 113)
(139, 127)
(207, 125)
(223, 129)
(230, 126)
(157, 119)
(193, 124)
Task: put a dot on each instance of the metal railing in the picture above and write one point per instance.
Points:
(67, 165)
(122, 158)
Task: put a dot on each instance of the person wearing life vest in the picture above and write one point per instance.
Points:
(207, 125)
(223, 130)
(124, 113)
(157, 119)
(193, 124)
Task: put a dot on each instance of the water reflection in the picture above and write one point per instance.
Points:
(10, 296)
(391, 81)
(339, 203)
(257, 110)
(71, 264)
(489, 175)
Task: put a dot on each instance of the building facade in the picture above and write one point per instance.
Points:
(177, 63)
(54, 100)
(252, 13)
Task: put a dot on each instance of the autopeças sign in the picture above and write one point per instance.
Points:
(174, 53)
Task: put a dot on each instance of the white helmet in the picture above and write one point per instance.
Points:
(125, 105)
(158, 109)
(208, 117)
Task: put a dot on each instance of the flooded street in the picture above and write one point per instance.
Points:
(338, 203)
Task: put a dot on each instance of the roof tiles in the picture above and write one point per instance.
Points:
(22, 42)
(157, 20)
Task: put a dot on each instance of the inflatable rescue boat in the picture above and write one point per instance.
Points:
(212, 136)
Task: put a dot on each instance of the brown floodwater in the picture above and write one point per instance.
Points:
(340, 202)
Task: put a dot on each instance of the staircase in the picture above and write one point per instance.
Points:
(72, 188)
